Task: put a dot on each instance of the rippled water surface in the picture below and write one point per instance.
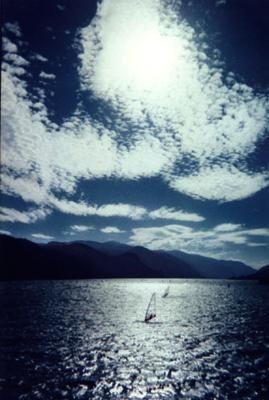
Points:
(87, 340)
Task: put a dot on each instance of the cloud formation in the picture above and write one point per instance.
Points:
(123, 210)
(192, 240)
(111, 229)
(177, 215)
(187, 98)
(81, 228)
(172, 115)
(25, 217)
(45, 75)
(227, 227)
(42, 236)
(13, 28)
(4, 232)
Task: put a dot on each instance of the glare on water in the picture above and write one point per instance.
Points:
(88, 340)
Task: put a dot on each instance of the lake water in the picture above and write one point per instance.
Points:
(87, 340)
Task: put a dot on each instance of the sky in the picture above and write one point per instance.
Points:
(139, 121)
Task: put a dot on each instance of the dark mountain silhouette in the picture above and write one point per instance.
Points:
(163, 262)
(111, 247)
(166, 264)
(23, 259)
(213, 268)
(262, 275)
(193, 265)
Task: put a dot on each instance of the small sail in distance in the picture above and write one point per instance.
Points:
(151, 309)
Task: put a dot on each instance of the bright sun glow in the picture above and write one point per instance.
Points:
(151, 58)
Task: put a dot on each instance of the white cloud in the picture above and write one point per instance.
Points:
(206, 242)
(9, 46)
(45, 75)
(179, 107)
(42, 236)
(227, 227)
(122, 210)
(106, 210)
(39, 57)
(15, 59)
(25, 217)
(257, 232)
(256, 244)
(81, 228)
(219, 183)
(171, 213)
(28, 188)
(232, 237)
(111, 229)
(4, 232)
(189, 104)
(14, 28)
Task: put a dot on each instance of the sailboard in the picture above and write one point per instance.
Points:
(166, 292)
(151, 309)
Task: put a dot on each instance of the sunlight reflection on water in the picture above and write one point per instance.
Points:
(87, 340)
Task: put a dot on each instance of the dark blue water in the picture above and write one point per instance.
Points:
(87, 340)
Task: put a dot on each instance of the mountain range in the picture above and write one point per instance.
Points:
(262, 275)
(205, 267)
(23, 259)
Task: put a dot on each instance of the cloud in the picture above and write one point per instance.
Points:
(25, 217)
(151, 68)
(124, 210)
(4, 232)
(227, 227)
(219, 183)
(39, 57)
(257, 232)
(9, 46)
(45, 75)
(81, 228)
(120, 210)
(232, 237)
(15, 59)
(170, 115)
(257, 244)
(106, 210)
(207, 242)
(41, 236)
(171, 213)
(30, 190)
(111, 229)
(14, 28)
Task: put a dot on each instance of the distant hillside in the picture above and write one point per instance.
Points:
(111, 247)
(162, 262)
(213, 268)
(262, 275)
(192, 265)
(23, 259)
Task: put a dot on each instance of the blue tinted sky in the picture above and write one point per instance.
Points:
(142, 121)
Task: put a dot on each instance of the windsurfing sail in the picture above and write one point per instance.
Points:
(165, 294)
(151, 309)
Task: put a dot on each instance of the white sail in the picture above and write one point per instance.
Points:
(151, 309)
